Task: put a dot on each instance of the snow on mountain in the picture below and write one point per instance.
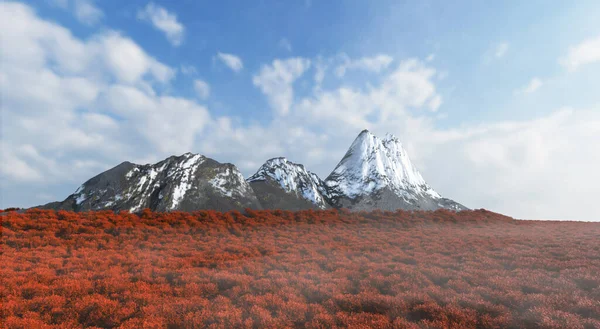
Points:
(186, 182)
(230, 183)
(374, 174)
(180, 171)
(372, 166)
(293, 178)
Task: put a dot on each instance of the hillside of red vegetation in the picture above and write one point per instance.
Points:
(314, 269)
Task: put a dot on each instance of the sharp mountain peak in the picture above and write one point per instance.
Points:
(374, 174)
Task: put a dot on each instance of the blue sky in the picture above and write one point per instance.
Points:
(496, 102)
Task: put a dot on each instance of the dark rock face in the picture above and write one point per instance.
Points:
(188, 182)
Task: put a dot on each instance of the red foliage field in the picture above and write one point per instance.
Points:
(314, 269)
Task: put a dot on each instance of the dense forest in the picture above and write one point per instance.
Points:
(281, 269)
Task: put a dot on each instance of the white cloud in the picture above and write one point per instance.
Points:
(169, 123)
(584, 53)
(276, 81)
(85, 11)
(373, 64)
(501, 49)
(77, 105)
(533, 169)
(430, 58)
(16, 167)
(163, 21)
(202, 88)
(285, 44)
(531, 87)
(407, 87)
(231, 61)
(128, 62)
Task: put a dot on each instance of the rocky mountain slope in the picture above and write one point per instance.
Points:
(282, 184)
(378, 174)
(187, 182)
(374, 174)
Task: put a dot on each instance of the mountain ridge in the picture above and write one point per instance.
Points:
(373, 174)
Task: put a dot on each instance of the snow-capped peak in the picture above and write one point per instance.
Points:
(178, 182)
(293, 178)
(372, 164)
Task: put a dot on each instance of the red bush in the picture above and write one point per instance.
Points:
(282, 269)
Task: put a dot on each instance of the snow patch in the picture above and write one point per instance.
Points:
(80, 198)
(229, 182)
(131, 173)
(186, 169)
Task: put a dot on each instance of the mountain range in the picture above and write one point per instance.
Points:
(373, 174)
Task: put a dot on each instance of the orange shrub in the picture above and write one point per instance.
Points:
(283, 269)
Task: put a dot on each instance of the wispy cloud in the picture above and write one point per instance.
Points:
(285, 44)
(370, 64)
(232, 61)
(164, 21)
(584, 53)
(188, 69)
(85, 11)
(495, 52)
(501, 49)
(202, 88)
(275, 81)
(531, 87)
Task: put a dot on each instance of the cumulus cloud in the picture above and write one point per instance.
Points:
(163, 21)
(373, 64)
(202, 88)
(231, 61)
(77, 106)
(170, 124)
(586, 52)
(276, 81)
(128, 61)
(533, 85)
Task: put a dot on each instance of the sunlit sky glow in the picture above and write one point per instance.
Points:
(497, 103)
